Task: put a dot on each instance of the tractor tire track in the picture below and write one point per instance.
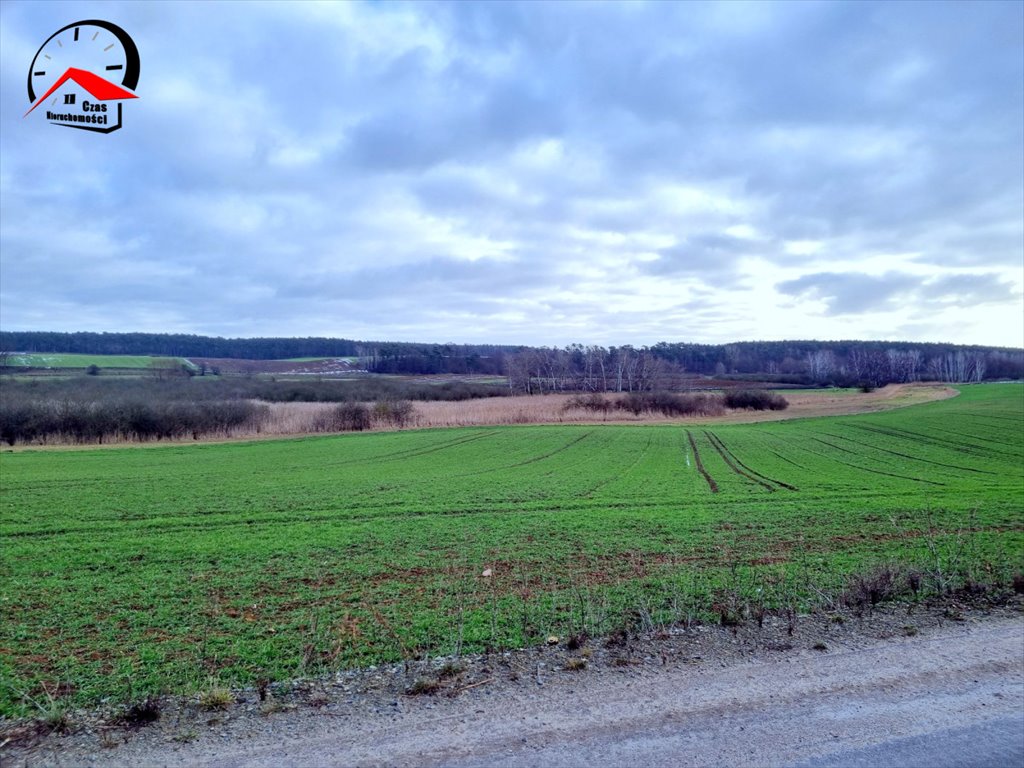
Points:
(409, 453)
(643, 453)
(728, 460)
(700, 465)
(869, 469)
(787, 460)
(532, 460)
(908, 456)
(986, 451)
(716, 439)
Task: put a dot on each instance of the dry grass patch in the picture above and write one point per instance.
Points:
(216, 697)
(423, 686)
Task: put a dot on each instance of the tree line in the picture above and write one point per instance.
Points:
(576, 367)
(579, 368)
(820, 360)
(375, 356)
(176, 345)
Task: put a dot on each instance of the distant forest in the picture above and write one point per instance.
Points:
(578, 367)
(377, 357)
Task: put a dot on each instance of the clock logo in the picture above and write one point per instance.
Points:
(81, 73)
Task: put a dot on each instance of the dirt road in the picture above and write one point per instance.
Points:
(953, 696)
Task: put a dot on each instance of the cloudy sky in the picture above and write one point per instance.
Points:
(536, 173)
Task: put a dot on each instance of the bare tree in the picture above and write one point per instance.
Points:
(820, 365)
(957, 367)
(164, 368)
(903, 364)
(977, 366)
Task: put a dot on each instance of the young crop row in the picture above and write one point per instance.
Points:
(152, 569)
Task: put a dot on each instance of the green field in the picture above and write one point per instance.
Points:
(60, 360)
(153, 569)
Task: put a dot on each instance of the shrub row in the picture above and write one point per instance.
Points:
(347, 417)
(24, 420)
(672, 404)
(756, 399)
(94, 422)
(397, 413)
(357, 417)
(354, 390)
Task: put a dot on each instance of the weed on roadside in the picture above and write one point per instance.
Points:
(140, 713)
(215, 697)
(451, 669)
(271, 706)
(423, 686)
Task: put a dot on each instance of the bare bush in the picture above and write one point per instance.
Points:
(395, 413)
(670, 404)
(593, 402)
(1018, 583)
(347, 417)
(868, 589)
(756, 399)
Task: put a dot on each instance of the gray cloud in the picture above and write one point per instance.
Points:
(455, 171)
(846, 294)
(970, 290)
(706, 255)
(854, 293)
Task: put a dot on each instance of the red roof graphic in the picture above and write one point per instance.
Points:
(98, 88)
